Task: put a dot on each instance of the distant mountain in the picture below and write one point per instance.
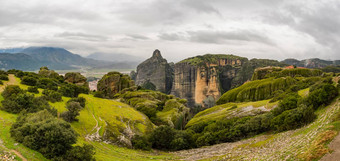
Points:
(311, 63)
(11, 50)
(33, 58)
(115, 57)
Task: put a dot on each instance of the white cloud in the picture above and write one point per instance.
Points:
(183, 28)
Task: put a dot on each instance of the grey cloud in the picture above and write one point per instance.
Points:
(138, 37)
(219, 37)
(42, 13)
(320, 21)
(81, 36)
(201, 6)
(171, 36)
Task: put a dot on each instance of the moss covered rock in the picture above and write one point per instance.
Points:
(114, 82)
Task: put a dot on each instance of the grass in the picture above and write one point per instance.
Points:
(7, 120)
(105, 112)
(303, 92)
(226, 111)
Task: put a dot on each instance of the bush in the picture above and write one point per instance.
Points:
(141, 142)
(289, 102)
(72, 113)
(80, 100)
(44, 133)
(33, 90)
(99, 94)
(10, 90)
(78, 153)
(24, 101)
(3, 77)
(161, 137)
(72, 90)
(52, 96)
(321, 95)
(29, 81)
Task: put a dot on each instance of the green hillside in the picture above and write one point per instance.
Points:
(100, 123)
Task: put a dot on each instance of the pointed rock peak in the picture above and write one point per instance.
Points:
(157, 54)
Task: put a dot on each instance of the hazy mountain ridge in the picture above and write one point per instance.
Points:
(33, 58)
(311, 63)
(115, 57)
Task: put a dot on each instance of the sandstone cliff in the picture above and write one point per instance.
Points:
(202, 78)
(155, 73)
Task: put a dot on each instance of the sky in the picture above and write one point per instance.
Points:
(270, 29)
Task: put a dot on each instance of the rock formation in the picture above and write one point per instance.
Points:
(75, 78)
(113, 82)
(202, 77)
(156, 73)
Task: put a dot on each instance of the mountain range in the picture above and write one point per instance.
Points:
(312, 63)
(33, 58)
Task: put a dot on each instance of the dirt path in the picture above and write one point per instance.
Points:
(282, 146)
(19, 155)
(335, 155)
(11, 81)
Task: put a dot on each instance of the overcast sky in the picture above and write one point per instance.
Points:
(178, 28)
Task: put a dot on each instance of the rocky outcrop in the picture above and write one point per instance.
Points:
(113, 82)
(155, 72)
(75, 78)
(203, 77)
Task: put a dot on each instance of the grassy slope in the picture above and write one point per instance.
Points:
(306, 143)
(226, 110)
(6, 120)
(96, 109)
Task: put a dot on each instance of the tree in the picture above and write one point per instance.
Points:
(42, 132)
(33, 90)
(72, 113)
(31, 81)
(80, 100)
(161, 137)
(78, 153)
(10, 90)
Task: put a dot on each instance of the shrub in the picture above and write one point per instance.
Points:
(99, 94)
(52, 96)
(44, 133)
(3, 77)
(72, 113)
(141, 142)
(78, 153)
(80, 100)
(33, 90)
(161, 137)
(289, 102)
(72, 90)
(10, 90)
(29, 81)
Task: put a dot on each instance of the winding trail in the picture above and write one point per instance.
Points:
(19, 155)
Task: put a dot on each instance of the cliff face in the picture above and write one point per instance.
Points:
(155, 73)
(201, 78)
